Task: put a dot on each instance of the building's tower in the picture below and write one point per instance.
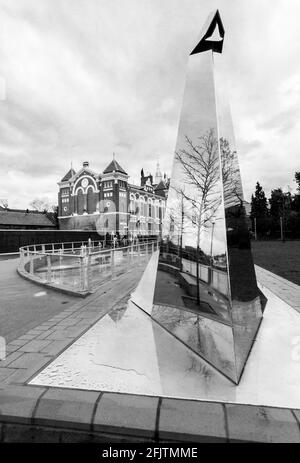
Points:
(114, 193)
(65, 199)
(158, 175)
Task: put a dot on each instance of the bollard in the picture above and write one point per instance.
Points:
(139, 253)
(43, 249)
(152, 248)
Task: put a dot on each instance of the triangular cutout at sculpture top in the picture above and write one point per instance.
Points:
(212, 36)
(215, 37)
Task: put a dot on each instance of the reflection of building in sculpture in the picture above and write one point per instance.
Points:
(109, 203)
(205, 289)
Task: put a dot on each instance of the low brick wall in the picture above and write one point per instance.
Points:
(39, 414)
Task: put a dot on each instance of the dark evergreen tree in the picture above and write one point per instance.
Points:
(280, 209)
(297, 178)
(259, 207)
(259, 211)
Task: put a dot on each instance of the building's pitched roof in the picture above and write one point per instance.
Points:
(114, 166)
(84, 171)
(68, 175)
(23, 218)
(160, 186)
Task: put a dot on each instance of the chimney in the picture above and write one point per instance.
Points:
(85, 164)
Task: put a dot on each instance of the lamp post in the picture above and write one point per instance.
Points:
(211, 251)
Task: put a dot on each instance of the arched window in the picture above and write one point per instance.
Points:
(90, 201)
(80, 202)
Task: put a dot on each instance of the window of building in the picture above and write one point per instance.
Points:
(90, 201)
(80, 202)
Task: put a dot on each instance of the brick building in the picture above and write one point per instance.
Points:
(107, 202)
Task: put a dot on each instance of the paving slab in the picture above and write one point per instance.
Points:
(127, 414)
(284, 289)
(192, 421)
(28, 360)
(5, 373)
(10, 358)
(17, 403)
(34, 346)
(69, 407)
(55, 347)
(261, 424)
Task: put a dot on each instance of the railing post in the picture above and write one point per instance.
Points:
(128, 259)
(72, 247)
(139, 253)
(89, 271)
(60, 256)
(152, 250)
(22, 259)
(48, 269)
(52, 248)
(31, 265)
(43, 249)
(112, 263)
(131, 253)
(82, 276)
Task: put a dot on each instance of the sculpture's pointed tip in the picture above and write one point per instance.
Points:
(212, 35)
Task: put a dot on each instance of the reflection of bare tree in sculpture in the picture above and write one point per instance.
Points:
(232, 185)
(200, 164)
(201, 167)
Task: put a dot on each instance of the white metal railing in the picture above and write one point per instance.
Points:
(81, 266)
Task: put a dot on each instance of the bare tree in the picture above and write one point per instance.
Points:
(42, 205)
(4, 203)
(232, 185)
(207, 175)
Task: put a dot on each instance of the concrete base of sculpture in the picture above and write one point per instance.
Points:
(127, 351)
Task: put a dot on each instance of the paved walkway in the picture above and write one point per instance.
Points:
(284, 289)
(29, 352)
(43, 414)
(23, 304)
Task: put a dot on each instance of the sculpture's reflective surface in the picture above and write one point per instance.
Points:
(128, 352)
(206, 292)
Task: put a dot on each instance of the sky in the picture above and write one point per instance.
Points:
(81, 79)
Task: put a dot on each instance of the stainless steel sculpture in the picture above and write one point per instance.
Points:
(206, 292)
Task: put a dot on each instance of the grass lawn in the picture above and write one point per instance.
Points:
(280, 258)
